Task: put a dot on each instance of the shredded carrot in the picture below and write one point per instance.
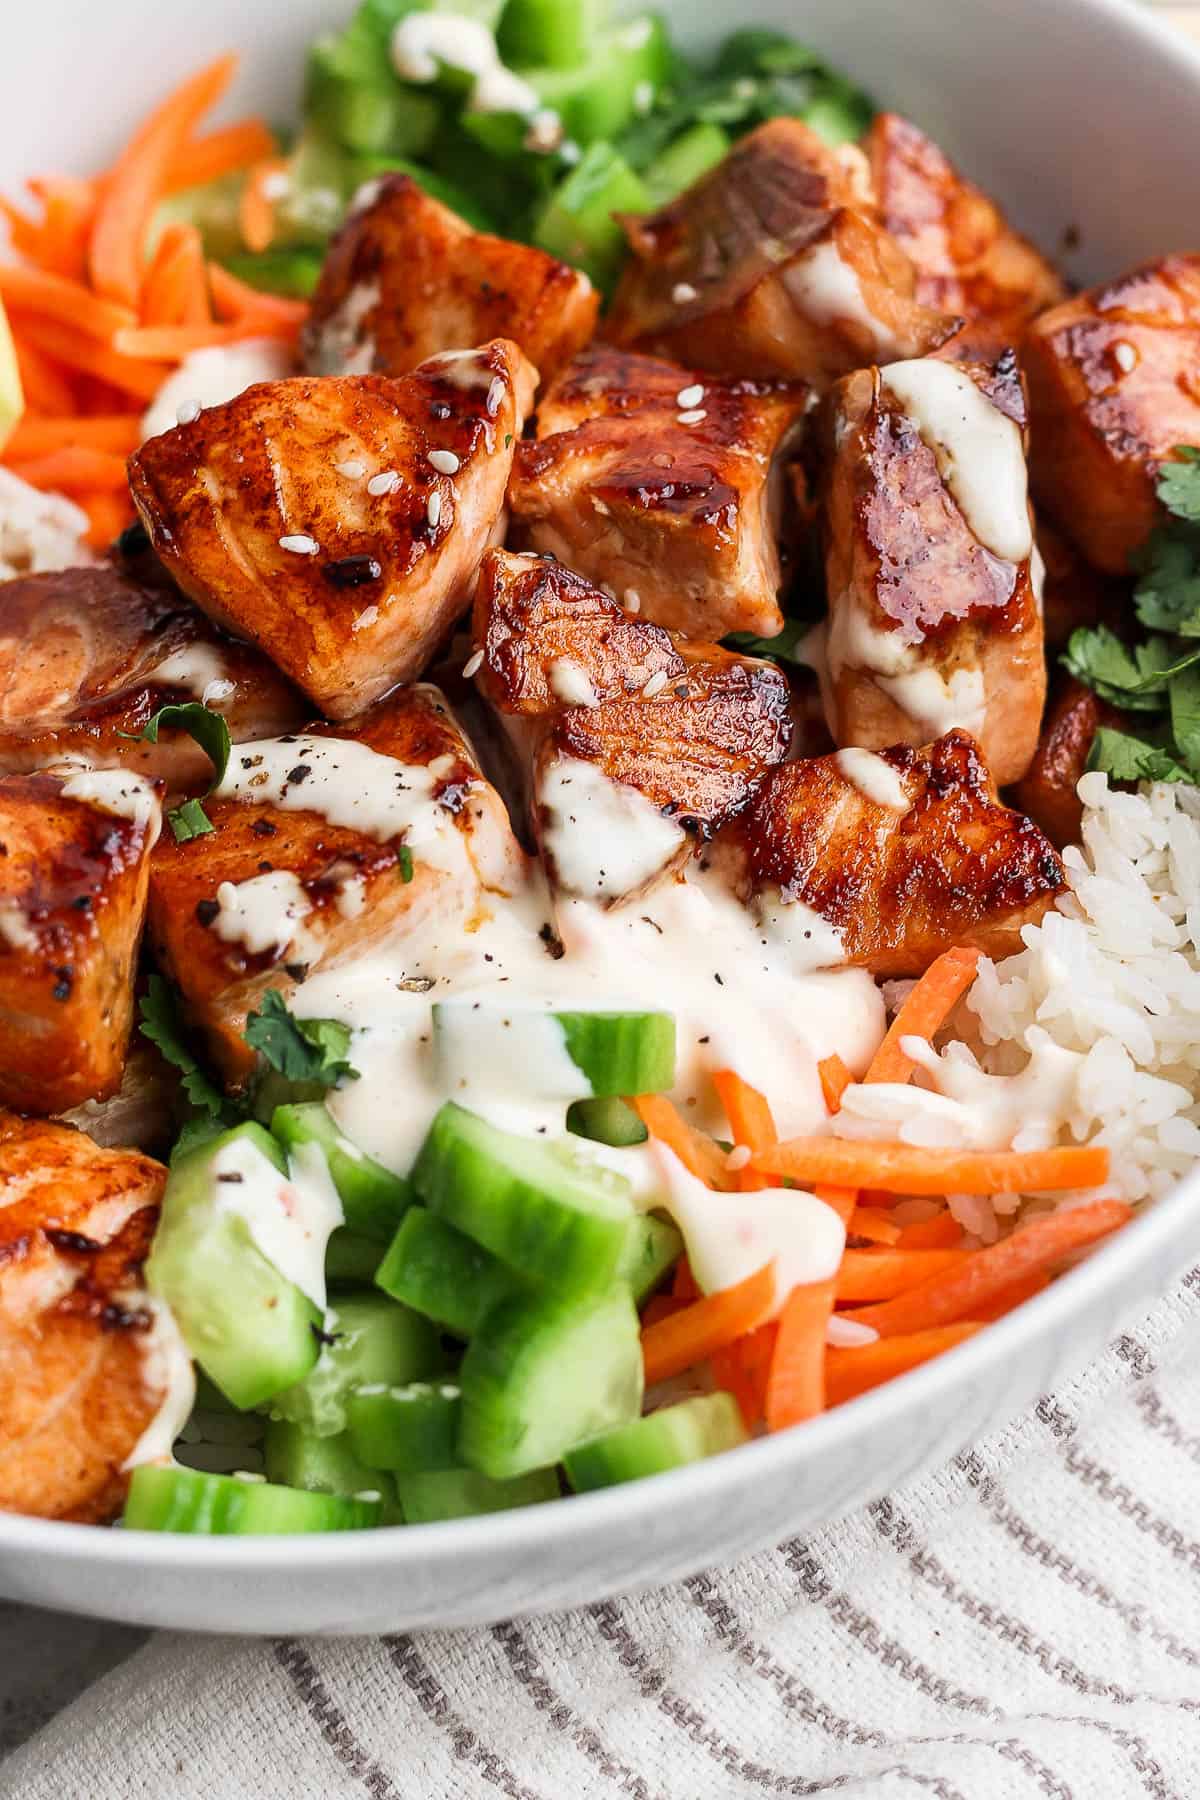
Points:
(54, 297)
(743, 1368)
(982, 1275)
(835, 1079)
(880, 1274)
(843, 1200)
(171, 343)
(220, 152)
(133, 375)
(236, 300)
(693, 1334)
(23, 232)
(694, 1149)
(796, 1384)
(75, 468)
(138, 181)
(851, 1372)
(683, 1284)
(1014, 1295)
(256, 212)
(45, 386)
(176, 286)
(749, 1115)
(941, 1232)
(870, 1222)
(108, 515)
(911, 1169)
(924, 1012)
(69, 207)
(660, 1306)
(38, 435)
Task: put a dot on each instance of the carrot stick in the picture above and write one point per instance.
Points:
(982, 1275)
(45, 386)
(171, 343)
(843, 1200)
(130, 374)
(236, 299)
(942, 1232)
(256, 212)
(694, 1149)
(139, 178)
(660, 1306)
(796, 1384)
(835, 1079)
(870, 1222)
(175, 291)
(54, 297)
(881, 1274)
(69, 208)
(924, 1012)
(1014, 1295)
(23, 232)
(75, 468)
(108, 515)
(689, 1336)
(742, 1369)
(749, 1115)
(911, 1169)
(683, 1284)
(37, 435)
(219, 152)
(851, 1372)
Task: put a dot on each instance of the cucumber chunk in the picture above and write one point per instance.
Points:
(163, 1498)
(442, 1273)
(406, 1428)
(373, 1199)
(558, 34)
(530, 1203)
(610, 1121)
(654, 1246)
(577, 224)
(663, 1440)
(461, 1493)
(249, 1328)
(684, 161)
(374, 1340)
(351, 1259)
(352, 93)
(544, 1374)
(615, 1052)
(620, 78)
(292, 273)
(294, 1458)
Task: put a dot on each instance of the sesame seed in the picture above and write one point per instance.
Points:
(691, 418)
(633, 600)
(299, 544)
(655, 685)
(367, 617)
(473, 665)
(188, 412)
(444, 461)
(495, 397)
(661, 460)
(352, 470)
(683, 293)
(848, 1334)
(1125, 357)
(433, 509)
(690, 396)
(384, 483)
(738, 1157)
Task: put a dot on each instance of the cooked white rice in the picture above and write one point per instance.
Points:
(1091, 1032)
(38, 532)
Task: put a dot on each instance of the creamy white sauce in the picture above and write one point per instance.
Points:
(893, 658)
(730, 1236)
(121, 792)
(488, 1055)
(289, 1217)
(15, 929)
(827, 291)
(875, 779)
(465, 369)
(605, 838)
(978, 449)
(571, 683)
(200, 668)
(807, 940)
(423, 40)
(264, 913)
(342, 347)
(167, 1369)
(937, 704)
(211, 377)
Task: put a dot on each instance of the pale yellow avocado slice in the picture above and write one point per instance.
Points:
(12, 400)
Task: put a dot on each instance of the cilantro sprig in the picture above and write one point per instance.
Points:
(1157, 679)
(209, 730)
(308, 1050)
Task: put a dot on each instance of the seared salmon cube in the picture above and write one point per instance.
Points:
(338, 523)
(667, 487)
(1114, 387)
(933, 618)
(406, 278)
(774, 265)
(73, 879)
(1047, 792)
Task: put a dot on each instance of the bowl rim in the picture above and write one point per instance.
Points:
(547, 1525)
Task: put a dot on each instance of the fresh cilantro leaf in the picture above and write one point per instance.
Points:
(1179, 483)
(1127, 758)
(404, 863)
(196, 1131)
(1167, 595)
(1184, 691)
(160, 1022)
(300, 1049)
(787, 647)
(1129, 678)
(208, 728)
(189, 821)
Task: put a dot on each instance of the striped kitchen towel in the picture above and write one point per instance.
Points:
(1023, 1622)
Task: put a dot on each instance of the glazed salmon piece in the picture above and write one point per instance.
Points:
(666, 486)
(1114, 386)
(308, 864)
(89, 655)
(338, 523)
(73, 883)
(406, 278)
(967, 256)
(1047, 791)
(1073, 592)
(639, 746)
(933, 618)
(883, 860)
(80, 1378)
(774, 265)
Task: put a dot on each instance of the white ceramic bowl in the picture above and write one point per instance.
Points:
(1076, 114)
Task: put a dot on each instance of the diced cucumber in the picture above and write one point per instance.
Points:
(442, 1273)
(622, 75)
(577, 223)
(373, 1199)
(163, 1498)
(212, 207)
(273, 1089)
(461, 1493)
(544, 1374)
(292, 273)
(684, 161)
(610, 1121)
(653, 1247)
(663, 1440)
(322, 174)
(351, 1259)
(406, 1428)
(325, 1465)
(839, 116)
(615, 1052)
(459, 199)
(249, 1328)
(559, 34)
(545, 1214)
(353, 94)
(374, 1339)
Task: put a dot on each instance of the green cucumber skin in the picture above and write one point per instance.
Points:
(249, 1328)
(441, 1273)
(684, 1433)
(610, 1121)
(373, 1199)
(684, 161)
(616, 1052)
(542, 1375)
(555, 34)
(463, 1494)
(294, 1458)
(163, 1498)
(409, 1429)
(556, 1224)
(577, 223)
(351, 1260)
(655, 1246)
(375, 1339)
